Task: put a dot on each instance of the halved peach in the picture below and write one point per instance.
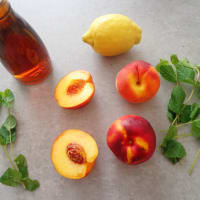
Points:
(75, 90)
(74, 153)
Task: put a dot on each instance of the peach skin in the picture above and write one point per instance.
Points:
(138, 82)
(74, 153)
(132, 139)
(75, 90)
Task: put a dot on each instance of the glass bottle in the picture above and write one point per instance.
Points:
(22, 52)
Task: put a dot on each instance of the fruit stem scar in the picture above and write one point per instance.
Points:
(75, 86)
(76, 153)
(130, 142)
(138, 76)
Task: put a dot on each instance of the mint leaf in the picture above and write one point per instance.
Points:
(171, 115)
(194, 111)
(174, 59)
(167, 72)
(10, 122)
(30, 184)
(1, 98)
(162, 62)
(177, 98)
(22, 165)
(185, 63)
(11, 177)
(13, 135)
(8, 98)
(185, 114)
(2, 140)
(197, 84)
(189, 113)
(196, 128)
(8, 131)
(5, 137)
(172, 132)
(173, 150)
(198, 66)
(185, 74)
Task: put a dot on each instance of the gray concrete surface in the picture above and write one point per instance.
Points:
(168, 27)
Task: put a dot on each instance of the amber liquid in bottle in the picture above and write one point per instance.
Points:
(22, 52)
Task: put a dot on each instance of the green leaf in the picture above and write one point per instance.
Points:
(198, 66)
(8, 131)
(30, 184)
(13, 135)
(189, 113)
(185, 63)
(167, 72)
(171, 115)
(185, 114)
(185, 74)
(162, 62)
(10, 122)
(197, 84)
(177, 98)
(196, 128)
(194, 111)
(1, 97)
(22, 165)
(11, 177)
(8, 98)
(171, 133)
(173, 150)
(5, 137)
(2, 140)
(174, 59)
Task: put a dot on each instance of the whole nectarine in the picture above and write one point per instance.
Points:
(138, 82)
(74, 153)
(75, 90)
(132, 139)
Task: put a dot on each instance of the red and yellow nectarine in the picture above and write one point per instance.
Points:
(74, 153)
(75, 90)
(138, 82)
(132, 139)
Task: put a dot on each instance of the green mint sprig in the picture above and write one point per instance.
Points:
(180, 111)
(18, 173)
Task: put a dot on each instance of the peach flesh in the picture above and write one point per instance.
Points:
(75, 90)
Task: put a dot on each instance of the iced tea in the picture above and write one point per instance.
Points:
(22, 52)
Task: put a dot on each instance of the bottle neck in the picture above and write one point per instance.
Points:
(4, 8)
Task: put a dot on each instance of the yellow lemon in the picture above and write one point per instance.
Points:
(112, 34)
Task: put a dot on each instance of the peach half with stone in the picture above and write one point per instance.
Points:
(74, 153)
